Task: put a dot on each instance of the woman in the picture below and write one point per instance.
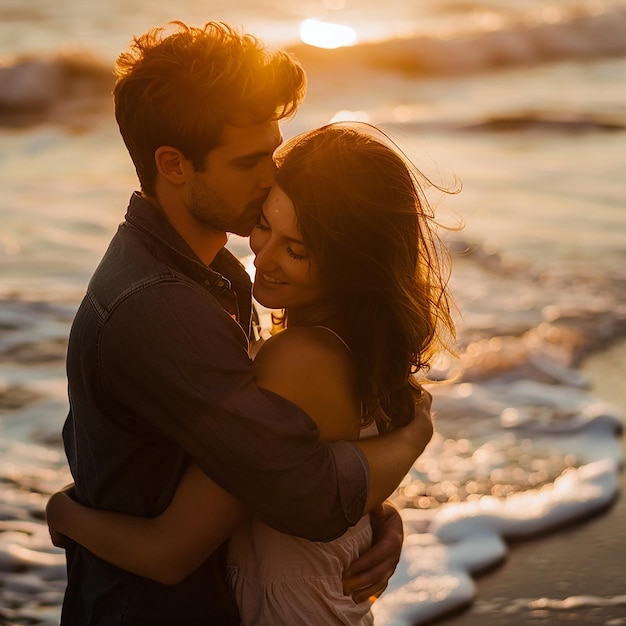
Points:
(346, 247)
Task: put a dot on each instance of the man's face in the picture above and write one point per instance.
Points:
(229, 193)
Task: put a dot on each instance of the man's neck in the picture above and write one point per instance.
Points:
(206, 242)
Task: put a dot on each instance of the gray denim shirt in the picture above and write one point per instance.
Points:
(159, 375)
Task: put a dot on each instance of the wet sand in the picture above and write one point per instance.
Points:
(576, 575)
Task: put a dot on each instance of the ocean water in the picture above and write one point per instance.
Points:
(522, 102)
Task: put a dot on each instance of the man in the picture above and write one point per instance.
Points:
(157, 361)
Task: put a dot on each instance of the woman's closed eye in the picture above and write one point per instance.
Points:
(294, 248)
(295, 255)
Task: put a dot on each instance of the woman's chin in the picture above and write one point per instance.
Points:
(265, 299)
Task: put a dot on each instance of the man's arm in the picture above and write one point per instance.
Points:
(168, 547)
(197, 389)
(391, 456)
(194, 389)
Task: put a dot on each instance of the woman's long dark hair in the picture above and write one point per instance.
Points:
(364, 219)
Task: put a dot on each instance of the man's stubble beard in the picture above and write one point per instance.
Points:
(211, 209)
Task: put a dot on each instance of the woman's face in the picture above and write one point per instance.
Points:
(286, 275)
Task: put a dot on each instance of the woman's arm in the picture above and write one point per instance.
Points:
(166, 548)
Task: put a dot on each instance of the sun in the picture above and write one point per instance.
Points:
(326, 35)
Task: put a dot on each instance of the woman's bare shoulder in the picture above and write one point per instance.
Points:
(307, 345)
(314, 369)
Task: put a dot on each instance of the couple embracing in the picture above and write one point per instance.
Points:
(218, 479)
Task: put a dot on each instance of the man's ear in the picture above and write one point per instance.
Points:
(171, 164)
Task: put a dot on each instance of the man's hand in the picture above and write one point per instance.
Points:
(368, 576)
(52, 512)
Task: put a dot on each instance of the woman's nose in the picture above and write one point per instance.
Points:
(263, 259)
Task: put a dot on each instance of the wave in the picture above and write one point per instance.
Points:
(526, 121)
(545, 121)
(579, 35)
(71, 86)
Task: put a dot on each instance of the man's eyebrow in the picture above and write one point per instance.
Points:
(259, 154)
(253, 156)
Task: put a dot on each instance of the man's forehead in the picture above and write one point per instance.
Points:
(251, 138)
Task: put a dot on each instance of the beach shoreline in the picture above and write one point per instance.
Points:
(575, 575)
(572, 574)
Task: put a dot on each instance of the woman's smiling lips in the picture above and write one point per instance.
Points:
(266, 278)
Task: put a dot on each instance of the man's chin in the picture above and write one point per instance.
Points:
(242, 231)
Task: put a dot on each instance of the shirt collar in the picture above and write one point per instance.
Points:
(224, 272)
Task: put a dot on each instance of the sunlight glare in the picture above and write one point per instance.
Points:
(326, 35)
(350, 116)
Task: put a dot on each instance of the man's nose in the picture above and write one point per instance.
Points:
(268, 175)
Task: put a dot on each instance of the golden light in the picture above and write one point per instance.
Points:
(326, 35)
(350, 116)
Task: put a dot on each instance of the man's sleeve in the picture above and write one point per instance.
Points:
(176, 359)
